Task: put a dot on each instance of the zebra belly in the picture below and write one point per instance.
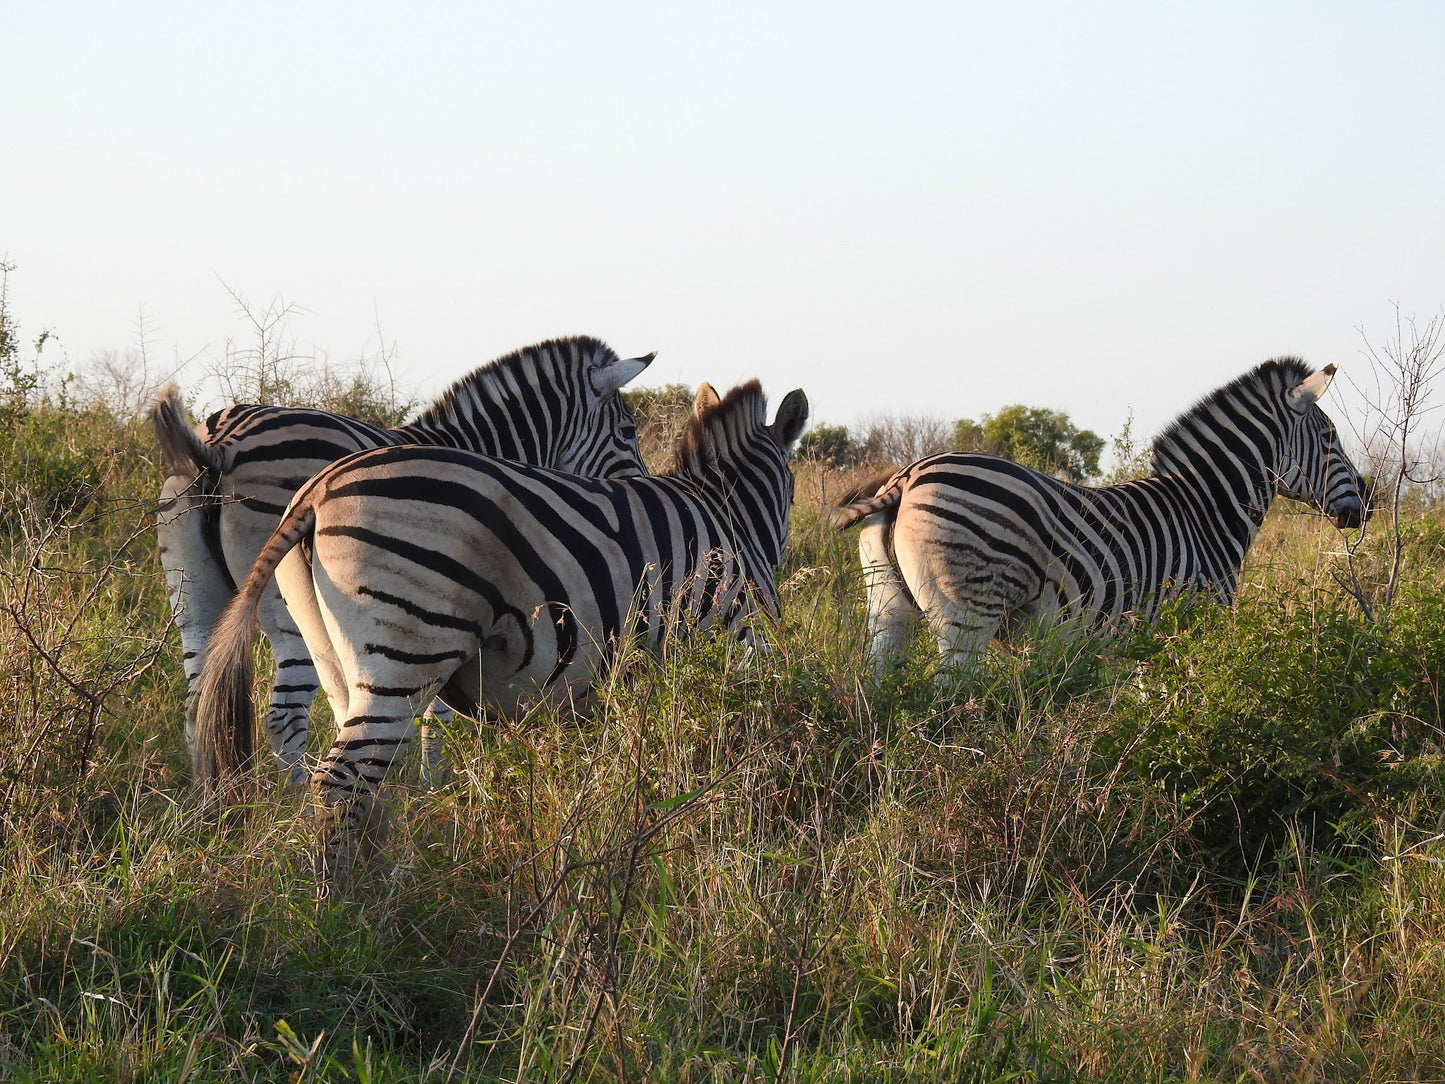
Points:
(490, 684)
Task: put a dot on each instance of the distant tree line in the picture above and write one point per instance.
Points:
(1037, 437)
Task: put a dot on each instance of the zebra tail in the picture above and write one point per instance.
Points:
(886, 491)
(225, 714)
(187, 455)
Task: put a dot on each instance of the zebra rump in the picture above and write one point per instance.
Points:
(414, 570)
(555, 404)
(980, 545)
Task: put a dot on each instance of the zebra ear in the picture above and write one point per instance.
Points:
(707, 398)
(791, 417)
(1305, 395)
(608, 378)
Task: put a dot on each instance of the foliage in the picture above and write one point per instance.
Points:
(21, 379)
(831, 445)
(54, 452)
(1037, 437)
(1131, 458)
(902, 438)
(270, 368)
(1289, 710)
(1405, 369)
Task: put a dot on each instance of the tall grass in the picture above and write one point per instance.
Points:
(1207, 850)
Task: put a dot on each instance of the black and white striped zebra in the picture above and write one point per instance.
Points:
(417, 571)
(981, 545)
(555, 404)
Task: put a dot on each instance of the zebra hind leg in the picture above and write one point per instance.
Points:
(349, 830)
(287, 720)
(892, 614)
(963, 632)
(348, 780)
(195, 581)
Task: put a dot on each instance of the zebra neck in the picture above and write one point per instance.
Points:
(1222, 521)
(747, 526)
(1230, 460)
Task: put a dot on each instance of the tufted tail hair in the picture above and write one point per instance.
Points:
(187, 455)
(225, 715)
(866, 498)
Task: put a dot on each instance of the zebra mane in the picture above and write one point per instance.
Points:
(1275, 376)
(743, 407)
(576, 352)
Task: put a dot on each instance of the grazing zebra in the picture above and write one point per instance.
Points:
(416, 571)
(555, 404)
(978, 543)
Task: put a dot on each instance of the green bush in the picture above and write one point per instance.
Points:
(1285, 711)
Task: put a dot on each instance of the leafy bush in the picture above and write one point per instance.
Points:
(1288, 710)
(1037, 437)
(831, 445)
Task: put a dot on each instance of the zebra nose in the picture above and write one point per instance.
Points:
(1349, 512)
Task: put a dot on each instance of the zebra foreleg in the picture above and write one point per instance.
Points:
(892, 614)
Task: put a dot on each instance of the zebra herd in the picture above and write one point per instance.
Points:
(498, 551)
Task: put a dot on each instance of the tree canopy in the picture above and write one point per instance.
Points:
(1037, 437)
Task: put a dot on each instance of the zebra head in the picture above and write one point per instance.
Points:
(556, 404)
(602, 441)
(1313, 467)
(729, 448)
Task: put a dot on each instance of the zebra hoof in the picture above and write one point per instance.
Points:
(349, 831)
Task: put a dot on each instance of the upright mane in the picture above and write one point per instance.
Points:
(745, 406)
(575, 348)
(1274, 376)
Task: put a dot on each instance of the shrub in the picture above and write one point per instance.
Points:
(1288, 710)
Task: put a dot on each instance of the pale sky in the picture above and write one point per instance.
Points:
(919, 208)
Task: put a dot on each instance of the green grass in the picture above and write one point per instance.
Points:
(1204, 851)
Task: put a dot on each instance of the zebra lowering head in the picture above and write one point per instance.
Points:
(982, 546)
(413, 571)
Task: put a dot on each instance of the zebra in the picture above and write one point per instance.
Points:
(555, 404)
(982, 545)
(415, 571)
